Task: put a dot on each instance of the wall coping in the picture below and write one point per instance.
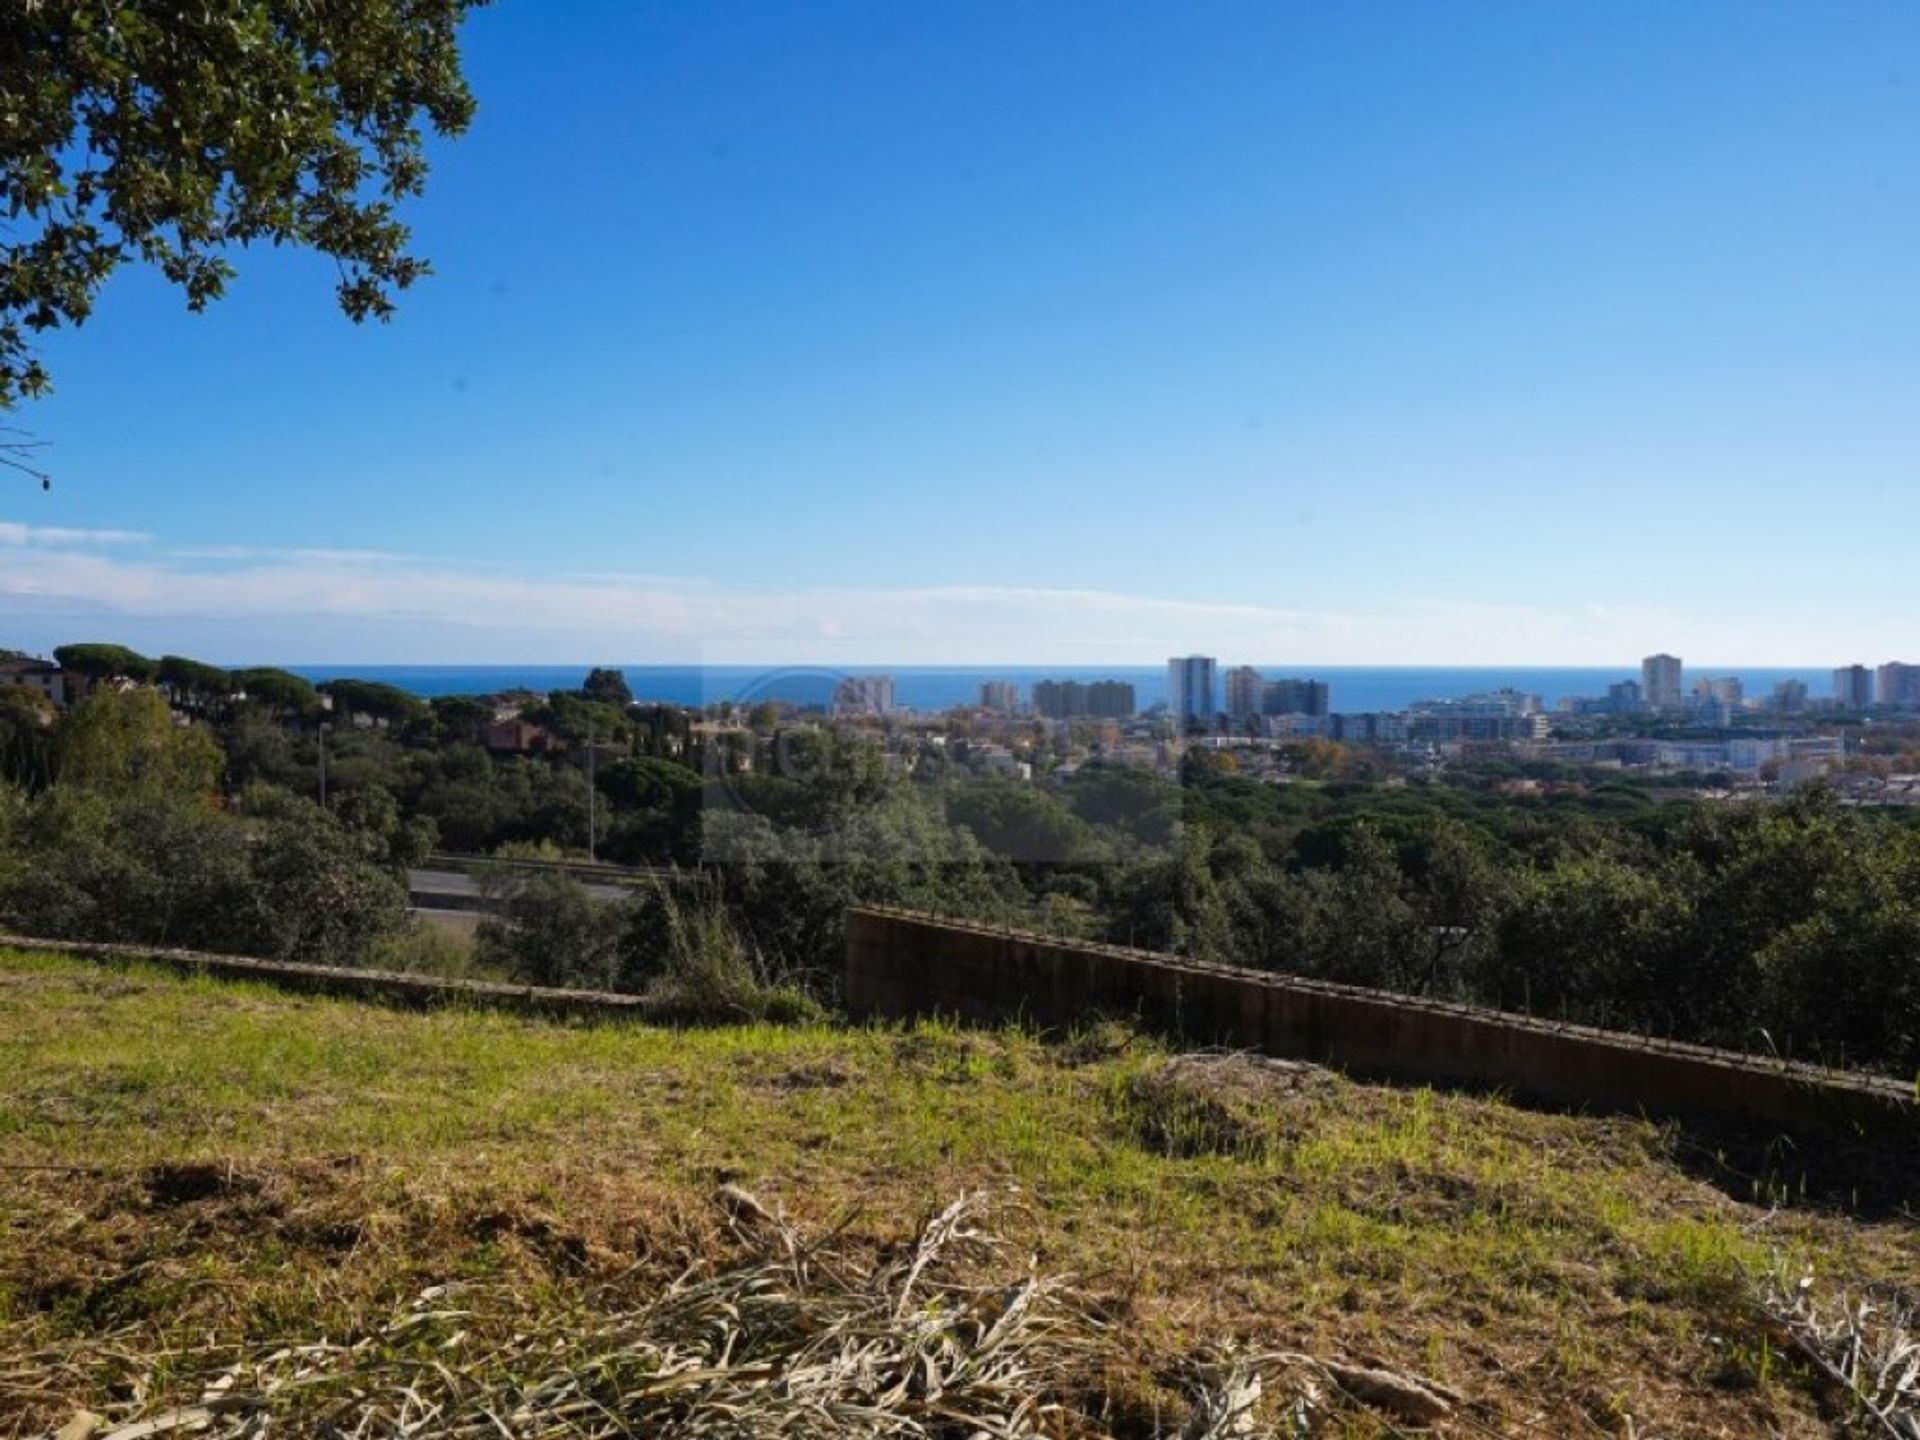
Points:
(1878, 1086)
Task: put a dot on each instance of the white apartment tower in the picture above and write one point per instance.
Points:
(863, 695)
(1660, 681)
(1190, 693)
(1000, 697)
(1244, 685)
(1853, 687)
(1898, 685)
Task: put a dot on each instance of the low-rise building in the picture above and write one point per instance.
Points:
(1447, 726)
(1384, 727)
(40, 675)
(515, 736)
(1489, 704)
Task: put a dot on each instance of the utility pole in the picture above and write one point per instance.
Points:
(324, 727)
(593, 811)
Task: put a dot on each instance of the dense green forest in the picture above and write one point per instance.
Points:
(178, 814)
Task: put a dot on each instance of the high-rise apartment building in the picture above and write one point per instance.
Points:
(1626, 697)
(1789, 696)
(1853, 687)
(1243, 694)
(863, 695)
(1660, 681)
(1072, 700)
(1190, 693)
(1726, 690)
(1294, 697)
(1059, 699)
(1110, 700)
(1897, 685)
(1002, 697)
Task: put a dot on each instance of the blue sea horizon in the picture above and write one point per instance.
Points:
(1353, 688)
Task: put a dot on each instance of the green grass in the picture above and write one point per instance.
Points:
(252, 1163)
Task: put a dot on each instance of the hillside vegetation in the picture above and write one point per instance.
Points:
(1783, 926)
(193, 1167)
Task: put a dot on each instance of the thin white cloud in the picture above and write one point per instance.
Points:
(219, 552)
(433, 611)
(12, 532)
(325, 557)
(357, 557)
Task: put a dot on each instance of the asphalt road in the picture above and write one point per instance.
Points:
(457, 890)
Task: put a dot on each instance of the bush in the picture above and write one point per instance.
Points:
(138, 869)
(321, 893)
(278, 878)
(550, 931)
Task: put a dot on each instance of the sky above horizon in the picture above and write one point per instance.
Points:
(1471, 334)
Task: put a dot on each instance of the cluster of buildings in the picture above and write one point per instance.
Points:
(1251, 699)
(1791, 759)
(1193, 704)
(1661, 691)
(1895, 685)
(1203, 699)
(1778, 736)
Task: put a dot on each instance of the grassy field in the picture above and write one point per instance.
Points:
(188, 1165)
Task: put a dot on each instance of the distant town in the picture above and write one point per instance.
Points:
(1660, 724)
(1699, 734)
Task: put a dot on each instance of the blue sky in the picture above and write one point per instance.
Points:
(1465, 333)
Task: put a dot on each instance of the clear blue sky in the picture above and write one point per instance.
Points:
(1476, 333)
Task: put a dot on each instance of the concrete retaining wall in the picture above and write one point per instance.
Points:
(388, 986)
(900, 963)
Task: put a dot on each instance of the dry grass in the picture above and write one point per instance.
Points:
(796, 1339)
(1867, 1345)
(197, 1174)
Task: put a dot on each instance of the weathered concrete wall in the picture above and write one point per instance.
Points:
(900, 963)
(387, 986)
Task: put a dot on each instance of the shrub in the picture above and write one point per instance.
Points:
(550, 931)
(279, 877)
(708, 972)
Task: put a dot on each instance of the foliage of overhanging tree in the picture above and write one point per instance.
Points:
(172, 135)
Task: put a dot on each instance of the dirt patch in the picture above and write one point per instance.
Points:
(825, 1073)
(1217, 1103)
(821, 1075)
(183, 1184)
(565, 1250)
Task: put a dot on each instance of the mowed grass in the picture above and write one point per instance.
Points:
(186, 1165)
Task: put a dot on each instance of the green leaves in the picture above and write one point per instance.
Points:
(173, 134)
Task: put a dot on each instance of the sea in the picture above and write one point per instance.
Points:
(1352, 688)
